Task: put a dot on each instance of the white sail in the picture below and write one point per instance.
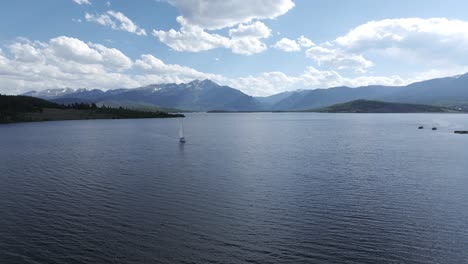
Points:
(181, 130)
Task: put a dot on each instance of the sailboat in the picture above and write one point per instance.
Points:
(181, 133)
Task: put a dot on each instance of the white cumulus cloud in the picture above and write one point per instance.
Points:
(73, 49)
(82, 2)
(117, 21)
(199, 18)
(431, 42)
(190, 38)
(291, 45)
(287, 45)
(245, 39)
(152, 65)
(64, 62)
(338, 59)
(216, 14)
(254, 30)
(305, 42)
(70, 62)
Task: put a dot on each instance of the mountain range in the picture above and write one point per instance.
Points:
(369, 106)
(206, 95)
(194, 96)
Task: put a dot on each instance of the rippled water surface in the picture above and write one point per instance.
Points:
(246, 188)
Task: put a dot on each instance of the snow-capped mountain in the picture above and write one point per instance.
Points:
(196, 95)
(207, 95)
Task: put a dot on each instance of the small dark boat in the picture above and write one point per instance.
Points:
(434, 128)
(420, 127)
(461, 132)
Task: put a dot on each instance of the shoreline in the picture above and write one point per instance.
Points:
(53, 114)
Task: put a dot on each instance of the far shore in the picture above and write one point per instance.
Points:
(53, 114)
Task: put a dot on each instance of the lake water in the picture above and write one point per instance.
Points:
(245, 188)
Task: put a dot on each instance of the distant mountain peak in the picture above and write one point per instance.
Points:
(203, 82)
(464, 75)
(208, 95)
(50, 93)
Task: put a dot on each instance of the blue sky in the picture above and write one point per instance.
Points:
(261, 47)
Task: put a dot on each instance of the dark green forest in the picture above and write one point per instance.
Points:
(25, 108)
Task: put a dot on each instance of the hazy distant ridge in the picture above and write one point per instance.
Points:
(207, 95)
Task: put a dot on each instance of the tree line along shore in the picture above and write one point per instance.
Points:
(30, 109)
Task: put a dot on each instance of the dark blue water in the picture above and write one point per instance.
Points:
(246, 188)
